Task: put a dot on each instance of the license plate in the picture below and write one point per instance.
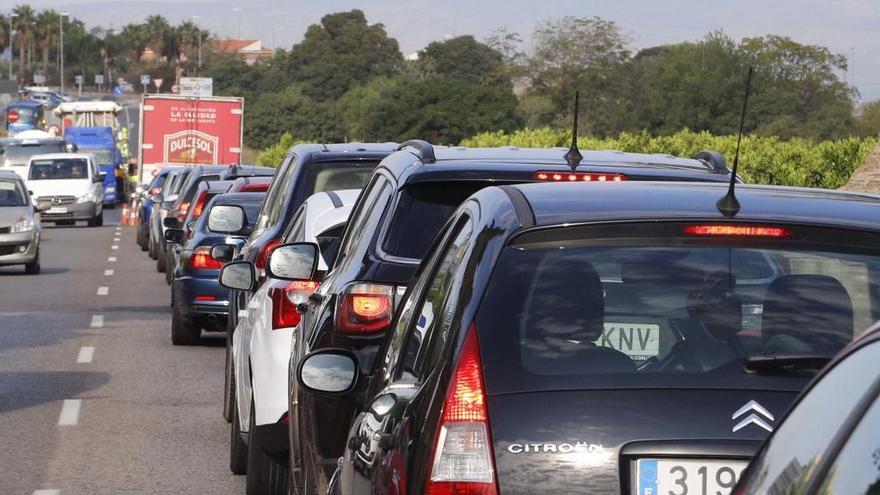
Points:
(639, 341)
(56, 209)
(687, 476)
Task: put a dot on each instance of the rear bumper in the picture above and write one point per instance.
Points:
(75, 211)
(19, 248)
(212, 297)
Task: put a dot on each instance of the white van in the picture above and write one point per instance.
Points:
(71, 184)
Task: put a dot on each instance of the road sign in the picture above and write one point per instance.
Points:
(99, 79)
(196, 86)
(158, 83)
(145, 79)
(39, 79)
(78, 79)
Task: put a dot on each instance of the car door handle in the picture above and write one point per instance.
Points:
(385, 441)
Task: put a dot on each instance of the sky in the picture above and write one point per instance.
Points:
(847, 27)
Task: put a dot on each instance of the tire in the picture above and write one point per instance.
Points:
(99, 220)
(238, 450)
(169, 267)
(33, 268)
(228, 388)
(142, 238)
(92, 222)
(160, 260)
(183, 330)
(266, 476)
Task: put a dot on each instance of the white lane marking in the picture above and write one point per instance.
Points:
(51, 491)
(115, 239)
(114, 247)
(242, 313)
(97, 321)
(69, 412)
(103, 291)
(108, 273)
(86, 353)
(118, 228)
(111, 259)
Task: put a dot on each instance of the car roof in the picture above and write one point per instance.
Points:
(238, 198)
(215, 185)
(9, 174)
(559, 203)
(57, 156)
(25, 103)
(319, 152)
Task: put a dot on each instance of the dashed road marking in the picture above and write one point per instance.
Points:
(114, 246)
(115, 239)
(86, 354)
(69, 412)
(103, 291)
(108, 273)
(111, 259)
(97, 321)
(47, 492)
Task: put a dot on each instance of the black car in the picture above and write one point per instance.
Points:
(411, 195)
(828, 442)
(595, 338)
(306, 169)
(144, 205)
(198, 300)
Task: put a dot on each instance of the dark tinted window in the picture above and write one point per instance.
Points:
(800, 443)
(857, 468)
(281, 179)
(12, 193)
(66, 168)
(338, 177)
(372, 200)
(421, 212)
(328, 242)
(559, 313)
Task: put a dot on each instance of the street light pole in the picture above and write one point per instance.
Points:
(12, 16)
(61, 47)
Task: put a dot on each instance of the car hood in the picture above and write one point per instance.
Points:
(9, 215)
(588, 441)
(63, 187)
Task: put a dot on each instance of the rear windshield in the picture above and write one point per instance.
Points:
(62, 168)
(580, 313)
(421, 212)
(339, 177)
(18, 155)
(11, 193)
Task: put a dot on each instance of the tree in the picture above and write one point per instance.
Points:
(440, 110)
(466, 59)
(341, 52)
(270, 115)
(869, 119)
(47, 25)
(24, 35)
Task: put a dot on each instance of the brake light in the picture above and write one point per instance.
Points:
(264, 254)
(721, 230)
(180, 212)
(578, 177)
(365, 308)
(201, 259)
(199, 204)
(12, 116)
(255, 188)
(206, 298)
(461, 462)
(285, 300)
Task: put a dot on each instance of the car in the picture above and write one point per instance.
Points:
(197, 300)
(187, 195)
(19, 224)
(144, 205)
(261, 346)
(408, 200)
(15, 153)
(71, 183)
(580, 337)
(162, 204)
(23, 116)
(826, 443)
(306, 169)
(48, 99)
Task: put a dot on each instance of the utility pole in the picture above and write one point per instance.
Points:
(12, 16)
(61, 47)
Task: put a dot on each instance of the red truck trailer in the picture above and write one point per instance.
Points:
(188, 130)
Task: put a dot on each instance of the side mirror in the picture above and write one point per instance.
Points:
(328, 371)
(223, 252)
(42, 206)
(239, 276)
(296, 261)
(173, 236)
(226, 219)
(71, 148)
(170, 223)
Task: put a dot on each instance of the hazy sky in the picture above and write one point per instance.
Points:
(845, 26)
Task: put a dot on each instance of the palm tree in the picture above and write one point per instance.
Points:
(159, 30)
(137, 38)
(24, 36)
(47, 28)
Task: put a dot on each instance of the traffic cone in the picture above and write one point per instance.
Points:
(124, 217)
(132, 216)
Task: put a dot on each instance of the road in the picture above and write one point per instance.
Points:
(94, 399)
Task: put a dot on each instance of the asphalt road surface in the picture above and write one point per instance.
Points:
(94, 399)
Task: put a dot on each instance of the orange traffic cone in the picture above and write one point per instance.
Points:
(124, 217)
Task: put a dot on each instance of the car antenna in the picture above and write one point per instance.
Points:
(574, 157)
(728, 205)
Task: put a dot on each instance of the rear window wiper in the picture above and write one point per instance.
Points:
(798, 364)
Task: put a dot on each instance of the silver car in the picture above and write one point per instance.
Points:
(19, 224)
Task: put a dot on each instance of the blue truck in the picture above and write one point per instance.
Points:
(101, 142)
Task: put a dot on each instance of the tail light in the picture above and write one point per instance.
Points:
(365, 308)
(180, 212)
(255, 188)
(199, 204)
(721, 230)
(201, 259)
(284, 302)
(12, 116)
(462, 462)
(264, 254)
(578, 177)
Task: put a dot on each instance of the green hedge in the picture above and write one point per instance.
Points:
(763, 160)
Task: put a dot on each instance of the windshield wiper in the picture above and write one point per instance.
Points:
(798, 364)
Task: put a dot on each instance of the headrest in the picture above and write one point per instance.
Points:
(567, 302)
(814, 309)
(717, 306)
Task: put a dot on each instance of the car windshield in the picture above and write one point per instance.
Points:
(59, 168)
(103, 156)
(12, 193)
(18, 155)
(564, 312)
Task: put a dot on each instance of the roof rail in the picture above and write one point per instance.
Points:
(713, 159)
(424, 148)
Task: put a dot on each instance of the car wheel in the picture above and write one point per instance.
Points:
(151, 247)
(183, 330)
(142, 238)
(238, 450)
(266, 476)
(169, 267)
(99, 220)
(33, 268)
(160, 259)
(228, 388)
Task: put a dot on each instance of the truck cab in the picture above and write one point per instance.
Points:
(100, 142)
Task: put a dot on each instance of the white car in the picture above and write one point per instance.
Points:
(72, 186)
(261, 347)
